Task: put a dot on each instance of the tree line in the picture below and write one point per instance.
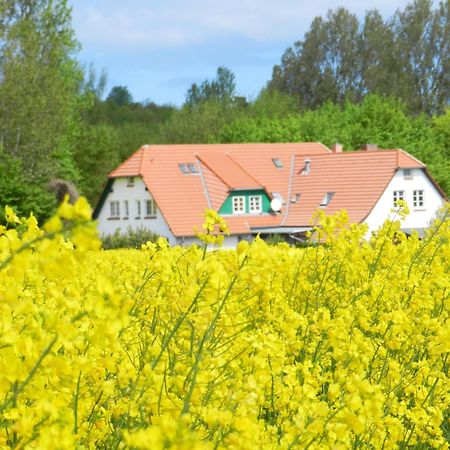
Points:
(378, 81)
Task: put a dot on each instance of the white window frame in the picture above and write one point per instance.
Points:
(396, 196)
(192, 168)
(255, 204)
(126, 209)
(407, 174)
(277, 163)
(419, 198)
(114, 209)
(150, 209)
(130, 181)
(239, 204)
(184, 168)
(327, 199)
(138, 209)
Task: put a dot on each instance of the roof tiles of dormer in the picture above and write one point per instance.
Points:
(229, 171)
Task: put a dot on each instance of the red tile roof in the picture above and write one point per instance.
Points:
(357, 180)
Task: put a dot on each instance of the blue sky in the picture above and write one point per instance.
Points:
(159, 48)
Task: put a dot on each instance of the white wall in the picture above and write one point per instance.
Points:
(121, 192)
(418, 217)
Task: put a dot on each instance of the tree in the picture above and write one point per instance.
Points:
(16, 191)
(325, 65)
(423, 50)
(96, 153)
(379, 120)
(380, 66)
(222, 89)
(39, 87)
(340, 59)
(120, 95)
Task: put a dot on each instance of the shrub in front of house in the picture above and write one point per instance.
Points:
(131, 239)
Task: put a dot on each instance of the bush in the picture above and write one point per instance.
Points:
(131, 239)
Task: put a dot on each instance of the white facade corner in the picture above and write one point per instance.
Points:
(420, 216)
(130, 198)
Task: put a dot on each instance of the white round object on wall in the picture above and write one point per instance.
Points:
(275, 205)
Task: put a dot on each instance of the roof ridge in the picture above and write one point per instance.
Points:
(244, 170)
(133, 155)
(210, 168)
(411, 156)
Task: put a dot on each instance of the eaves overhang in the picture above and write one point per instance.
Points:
(281, 230)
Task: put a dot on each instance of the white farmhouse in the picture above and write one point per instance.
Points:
(263, 188)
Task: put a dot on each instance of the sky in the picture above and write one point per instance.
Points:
(157, 49)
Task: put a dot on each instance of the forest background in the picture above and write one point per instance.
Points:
(376, 80)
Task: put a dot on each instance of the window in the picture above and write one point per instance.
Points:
(138, 208)
(114, 209)
(130, 181)
(398, 195)
(184, 168)
(239, 205)
(306, 167)
(192, 168)
(418, 199)
(327, 199)
(150, 208)
(126, 209)
(255, 202)
(407, 174)
(295, 197)
(277, 163)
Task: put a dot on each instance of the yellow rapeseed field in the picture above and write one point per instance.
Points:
(340, 345)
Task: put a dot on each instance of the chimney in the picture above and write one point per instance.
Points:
(337, 148)
(307, 167)
(369, 147)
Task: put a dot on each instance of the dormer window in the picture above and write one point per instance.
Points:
(307, 167)
(255, 203)
(184, 168)
(277, 163)
(327, 199)
(239, 205)
(192, 168)
(295, 197)
(188, 168)
(130, 181)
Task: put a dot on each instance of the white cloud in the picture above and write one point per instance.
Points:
(178, 23)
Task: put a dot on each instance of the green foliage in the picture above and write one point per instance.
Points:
(120, 95)
(131, 239)
(96, 153)
(341, 59)
(38, 88)
(17, 191)
(222, 89)
(199, 125)
(374, 120)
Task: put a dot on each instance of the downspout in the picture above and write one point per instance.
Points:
(288, 201)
